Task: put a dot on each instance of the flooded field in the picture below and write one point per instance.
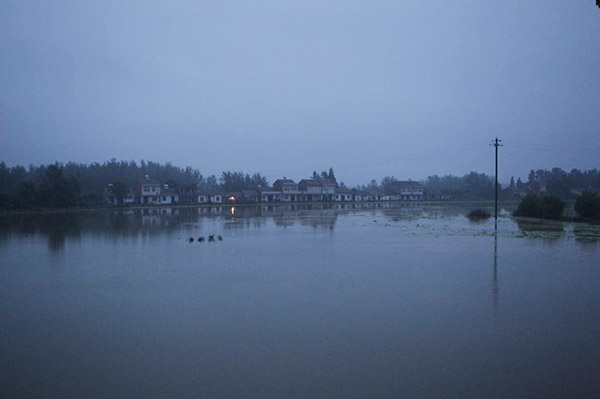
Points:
(343, 301)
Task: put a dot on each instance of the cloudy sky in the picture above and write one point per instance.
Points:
(373, 88)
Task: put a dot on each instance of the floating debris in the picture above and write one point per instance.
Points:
(200, 239)
(191, 239)
(211, 238)
(220, 237)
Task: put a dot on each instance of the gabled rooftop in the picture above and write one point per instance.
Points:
(284, 181)
(409, 183)
(343, 190)
(266, 189)
(150, 182)
(310, 182)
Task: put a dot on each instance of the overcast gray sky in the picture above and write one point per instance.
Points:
(372, 88)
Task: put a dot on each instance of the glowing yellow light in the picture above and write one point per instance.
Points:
(231, 198)
(232, 210)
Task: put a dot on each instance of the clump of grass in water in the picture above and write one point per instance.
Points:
(479, 214)
(538, 228)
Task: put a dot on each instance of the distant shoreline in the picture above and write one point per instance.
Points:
(159, 206)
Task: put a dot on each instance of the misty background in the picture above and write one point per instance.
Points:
(372, 88)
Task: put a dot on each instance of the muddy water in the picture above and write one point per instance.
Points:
(393, 301)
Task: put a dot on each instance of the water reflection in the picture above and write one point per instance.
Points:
(58, 227)
(402, 309)
(495, 288)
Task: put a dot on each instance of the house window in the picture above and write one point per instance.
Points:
(164, 198)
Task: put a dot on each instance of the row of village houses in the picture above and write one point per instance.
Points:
(151, 191)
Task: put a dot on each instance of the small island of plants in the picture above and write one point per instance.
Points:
(551, 207)
(479, 214)
(540, 206)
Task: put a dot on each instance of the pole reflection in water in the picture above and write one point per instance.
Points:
(495, 273)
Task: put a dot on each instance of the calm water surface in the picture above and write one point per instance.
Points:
(400, 301)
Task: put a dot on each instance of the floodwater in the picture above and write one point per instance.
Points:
(395, 301)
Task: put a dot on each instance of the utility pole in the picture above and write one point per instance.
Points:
(496, 144)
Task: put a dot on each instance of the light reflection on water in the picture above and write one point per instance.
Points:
(297, 301)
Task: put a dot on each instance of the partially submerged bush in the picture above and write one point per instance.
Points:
(477, 214)
(540, 206)
(587, 205)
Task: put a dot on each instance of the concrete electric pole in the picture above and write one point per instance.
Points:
(496, 144)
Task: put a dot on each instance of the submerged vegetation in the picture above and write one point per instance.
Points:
(540, 206)
(479, 214)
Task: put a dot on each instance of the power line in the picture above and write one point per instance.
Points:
(543, 147)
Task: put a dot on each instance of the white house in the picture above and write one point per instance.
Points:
(203, 198)
(361, 196)
(328, 189)
(310, 190)
(168, 195)
(343, 194)
(148, 191)
(288, 188)
(409, 190)
(269, 194)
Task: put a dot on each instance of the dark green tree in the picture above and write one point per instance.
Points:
(119, 190)
(558, 182)
(540, 206)
(57, 190)
(587, 205)
(27, 194)
(331, 176)
(236, 181)
(387, 182)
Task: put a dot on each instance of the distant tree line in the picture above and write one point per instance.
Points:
(565, 185)
(94, 177)
(470, 186)
(54, 190)
(326, 175)
(77, 184)
(473, 185)
(236, 181)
